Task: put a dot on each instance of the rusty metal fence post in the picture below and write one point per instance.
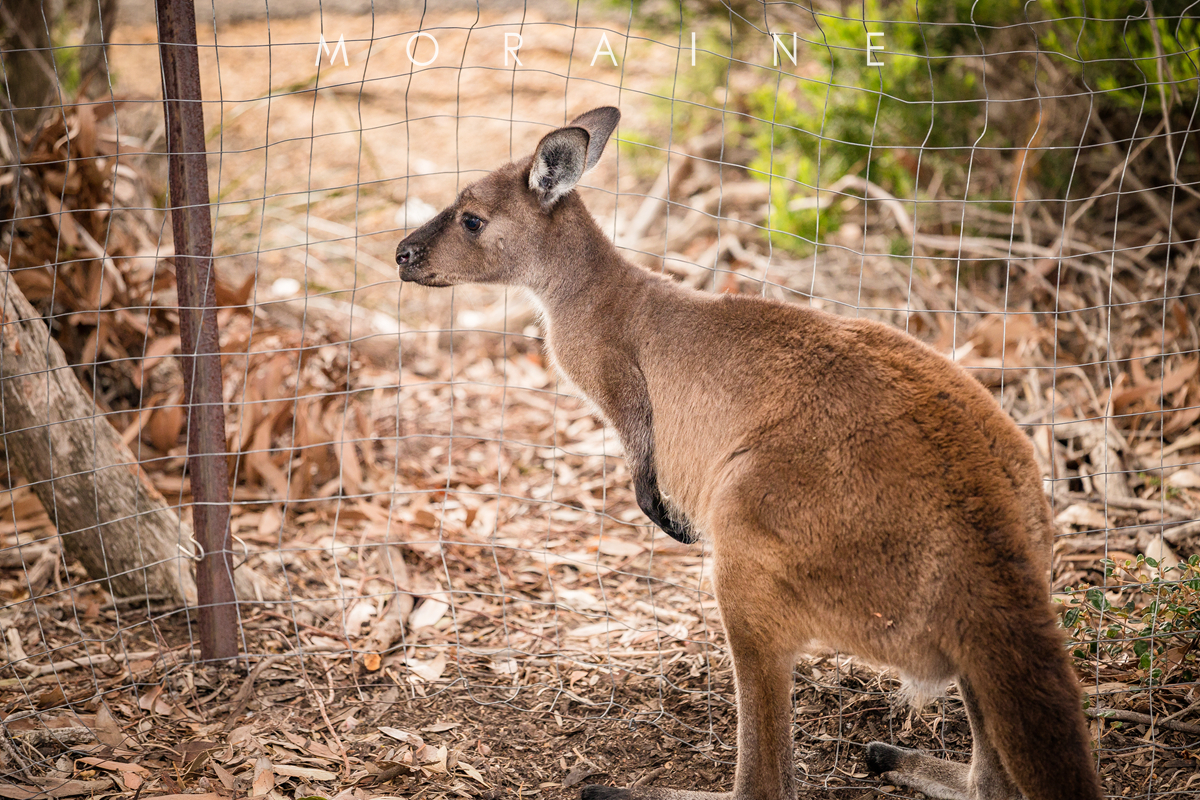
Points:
(192, 227)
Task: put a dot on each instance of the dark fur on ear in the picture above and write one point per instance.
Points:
(599, 123)
(558, 163)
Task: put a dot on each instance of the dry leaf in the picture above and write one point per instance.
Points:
(63, 220)
(107, 730)
(244, 733)
(1152, 389)
(359, 615)
(308, 773)
(594, 629)
(270, 522)
(432, 609)
(1184, 479)
(676, 631)
(131, 774)
(166, 423)
(612, 546)
(432, 758)
(425, 519)
(1082, 515)
(403, 736)
(152, 701)
(429, 670)
(471, 772)
(264, 777)
(225, 776)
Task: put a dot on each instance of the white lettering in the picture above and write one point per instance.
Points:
(870, 47)
(601, 51)
(408, 49)
(779, 45)
(323, 47)
(514, 49)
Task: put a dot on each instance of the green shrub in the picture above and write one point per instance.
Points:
(928, 104)
(1152, 631)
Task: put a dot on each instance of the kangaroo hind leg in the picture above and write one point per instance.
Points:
(984, 779)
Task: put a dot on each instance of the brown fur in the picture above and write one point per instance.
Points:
(860, 491)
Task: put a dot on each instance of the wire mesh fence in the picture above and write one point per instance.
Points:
(444, 583)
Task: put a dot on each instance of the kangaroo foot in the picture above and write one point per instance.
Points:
(935, 777)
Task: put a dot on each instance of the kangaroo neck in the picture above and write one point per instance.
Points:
(590, 298)
(585, 282)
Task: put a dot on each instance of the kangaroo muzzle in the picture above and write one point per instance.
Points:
(412, 253)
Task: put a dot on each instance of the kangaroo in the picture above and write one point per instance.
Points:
(859, 490)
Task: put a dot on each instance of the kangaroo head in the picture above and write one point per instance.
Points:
(507, 227)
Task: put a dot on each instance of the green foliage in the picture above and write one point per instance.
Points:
(1111, 49)
(1154, 627)
(928, 105)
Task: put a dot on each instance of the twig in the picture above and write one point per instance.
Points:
(301, 625)
(869, 190)
(36, 670)
(341, 746)
(1176, 534)
(649, 776)
(1142, 719)
(1132, 503)
(23, 556)
(63, 736)
(1182, 711)
(654, 200)
(1147, 197)
(138, 599)
(8, 754)
(237, 705)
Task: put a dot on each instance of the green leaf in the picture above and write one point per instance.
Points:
(1097, 599)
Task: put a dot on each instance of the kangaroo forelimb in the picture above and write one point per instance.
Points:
(645, 487)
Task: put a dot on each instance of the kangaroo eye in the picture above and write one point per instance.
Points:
(472, 223)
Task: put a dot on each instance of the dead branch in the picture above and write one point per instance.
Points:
(1142, 719)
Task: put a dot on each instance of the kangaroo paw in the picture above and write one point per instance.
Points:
(883, 758)
(935, 777)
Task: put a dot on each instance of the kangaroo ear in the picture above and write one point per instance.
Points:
(558, 163)
(564, 155)
(599, 123)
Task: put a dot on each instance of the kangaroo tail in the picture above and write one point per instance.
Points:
(1029, 699)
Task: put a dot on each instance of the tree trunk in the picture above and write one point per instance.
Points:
(101, 16)
(28, 78)
(108, 515)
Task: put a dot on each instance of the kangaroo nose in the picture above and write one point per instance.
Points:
(404, 255)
